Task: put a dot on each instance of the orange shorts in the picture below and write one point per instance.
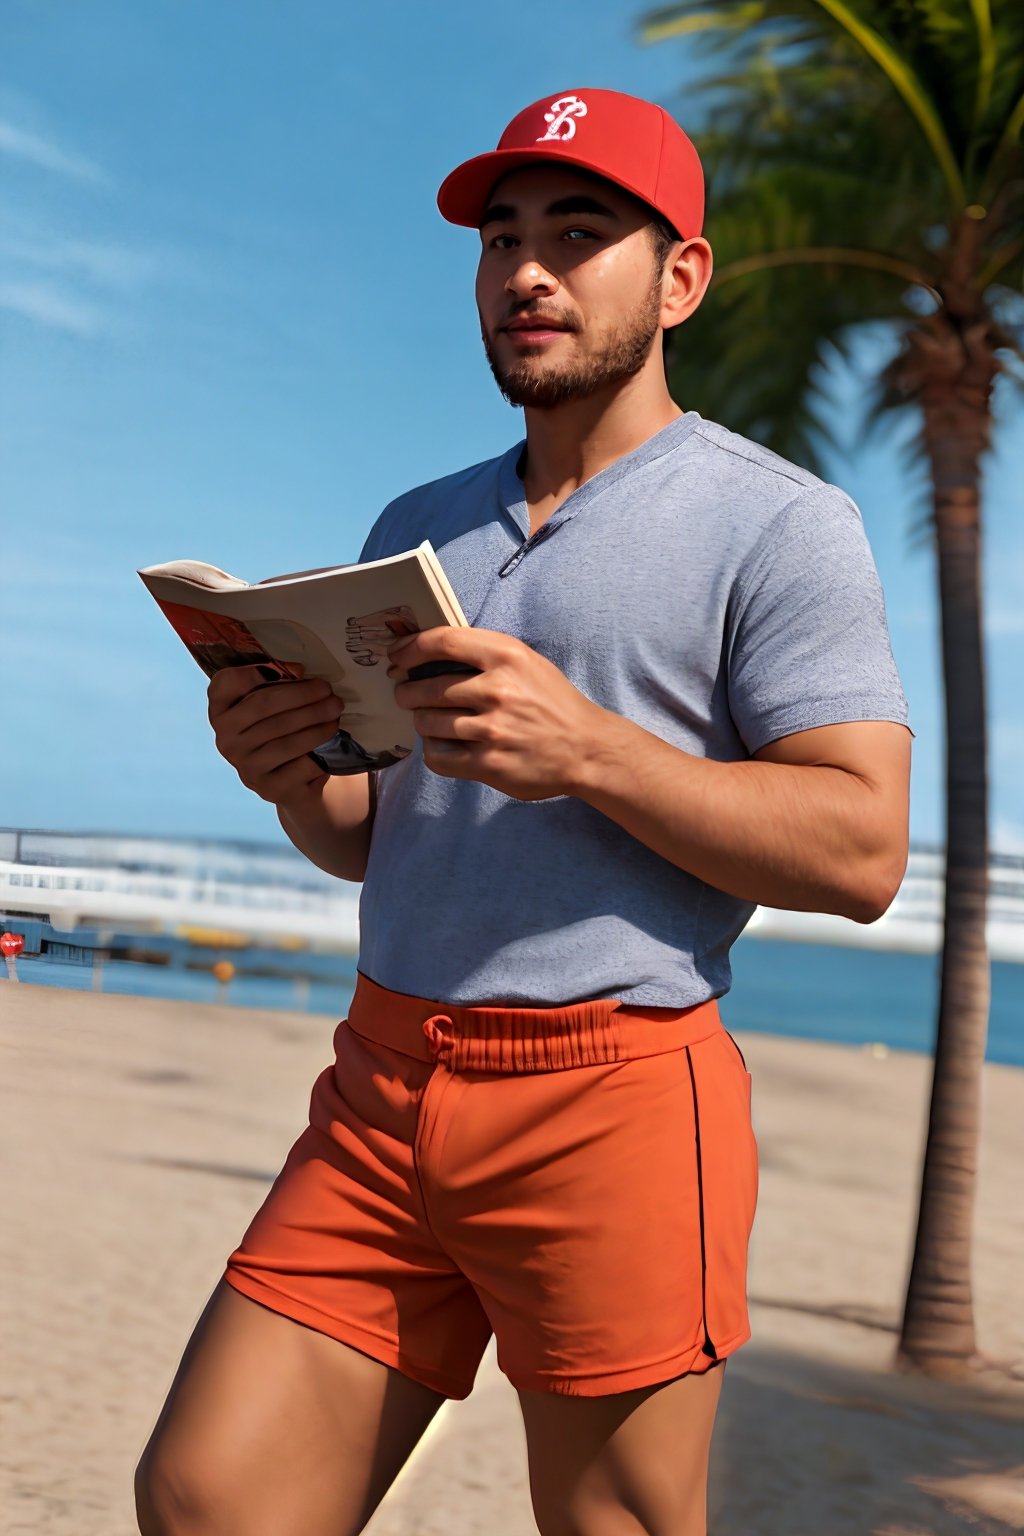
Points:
(579, 1181)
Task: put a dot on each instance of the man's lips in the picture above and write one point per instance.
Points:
(535, 330)
(537, 323)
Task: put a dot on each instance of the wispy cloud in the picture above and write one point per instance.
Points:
(50, 307)
(22, 144)
(34, 149)
(68, 282)
(64, 281)
(109, 264)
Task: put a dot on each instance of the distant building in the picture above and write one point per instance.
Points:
(225, 892)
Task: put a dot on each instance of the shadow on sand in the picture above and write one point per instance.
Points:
(806, 1447)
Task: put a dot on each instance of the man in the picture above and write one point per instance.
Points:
(680, 702)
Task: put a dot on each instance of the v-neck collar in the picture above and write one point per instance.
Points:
(512, 492)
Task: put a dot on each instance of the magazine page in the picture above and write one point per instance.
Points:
(336, 625)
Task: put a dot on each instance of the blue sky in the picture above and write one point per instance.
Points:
(234, 326)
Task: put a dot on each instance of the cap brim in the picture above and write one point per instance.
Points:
(463, 195)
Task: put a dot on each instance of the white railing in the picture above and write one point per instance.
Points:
(264, 909)
(71, 898)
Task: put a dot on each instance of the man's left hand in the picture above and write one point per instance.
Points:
(519, 726)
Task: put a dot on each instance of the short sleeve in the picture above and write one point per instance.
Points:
(810, 642)
(371, 544)
(386, 530)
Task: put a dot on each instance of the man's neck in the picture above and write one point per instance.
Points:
(570, 443)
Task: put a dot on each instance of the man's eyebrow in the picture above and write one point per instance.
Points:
(575, 202)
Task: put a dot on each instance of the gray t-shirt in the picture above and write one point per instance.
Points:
(702, 586)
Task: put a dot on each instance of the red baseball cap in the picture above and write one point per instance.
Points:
(631, 142)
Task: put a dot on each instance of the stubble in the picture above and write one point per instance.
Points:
(522, 382)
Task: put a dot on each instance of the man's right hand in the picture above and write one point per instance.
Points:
(265, 732)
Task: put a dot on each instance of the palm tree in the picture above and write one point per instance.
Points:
(866, 175)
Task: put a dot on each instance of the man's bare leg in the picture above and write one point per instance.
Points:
(271, 1428)
(631, 1464)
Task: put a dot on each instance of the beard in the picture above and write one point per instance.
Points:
(623, 354)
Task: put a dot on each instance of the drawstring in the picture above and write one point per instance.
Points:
(441, 1044)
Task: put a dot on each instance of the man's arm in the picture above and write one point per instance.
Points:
(266, 733)
(816, 821)
(334, 831)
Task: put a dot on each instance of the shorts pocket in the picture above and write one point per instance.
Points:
(738, 1052)
(746, 1074)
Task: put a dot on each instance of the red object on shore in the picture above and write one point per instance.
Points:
(12, 943)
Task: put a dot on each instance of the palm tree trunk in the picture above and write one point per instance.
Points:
(937, 1333)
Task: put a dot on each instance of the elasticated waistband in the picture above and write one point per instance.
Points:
(500, 1039)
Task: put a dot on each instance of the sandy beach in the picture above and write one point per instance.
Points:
(137, 1136)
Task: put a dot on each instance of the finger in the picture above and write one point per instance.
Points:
(275, 754)
(291, 780)
(230, 683)
(453, 759)
(450, 725)
(263, 703)
(477, 647)
(324, 713)
(252, 759)
(447, 692)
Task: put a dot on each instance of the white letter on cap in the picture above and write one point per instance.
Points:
(560, 118)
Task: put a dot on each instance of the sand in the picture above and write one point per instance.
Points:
(137, 1136)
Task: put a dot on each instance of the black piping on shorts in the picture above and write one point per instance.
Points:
(739, 1052)
(707, 1348)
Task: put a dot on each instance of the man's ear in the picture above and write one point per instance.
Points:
(689, 270)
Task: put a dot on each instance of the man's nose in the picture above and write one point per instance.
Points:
(530, 277)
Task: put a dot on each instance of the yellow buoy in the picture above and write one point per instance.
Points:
(213, 938)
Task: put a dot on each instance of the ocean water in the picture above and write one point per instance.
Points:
(824, 992)
(811, 991)
(328, 995)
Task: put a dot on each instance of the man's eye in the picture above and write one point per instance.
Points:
(496, 243)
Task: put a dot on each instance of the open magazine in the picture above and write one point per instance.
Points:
(335, 623)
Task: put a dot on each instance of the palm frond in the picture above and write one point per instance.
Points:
(906, 80)
(829, 218)
(986, 53)
(957, 71)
